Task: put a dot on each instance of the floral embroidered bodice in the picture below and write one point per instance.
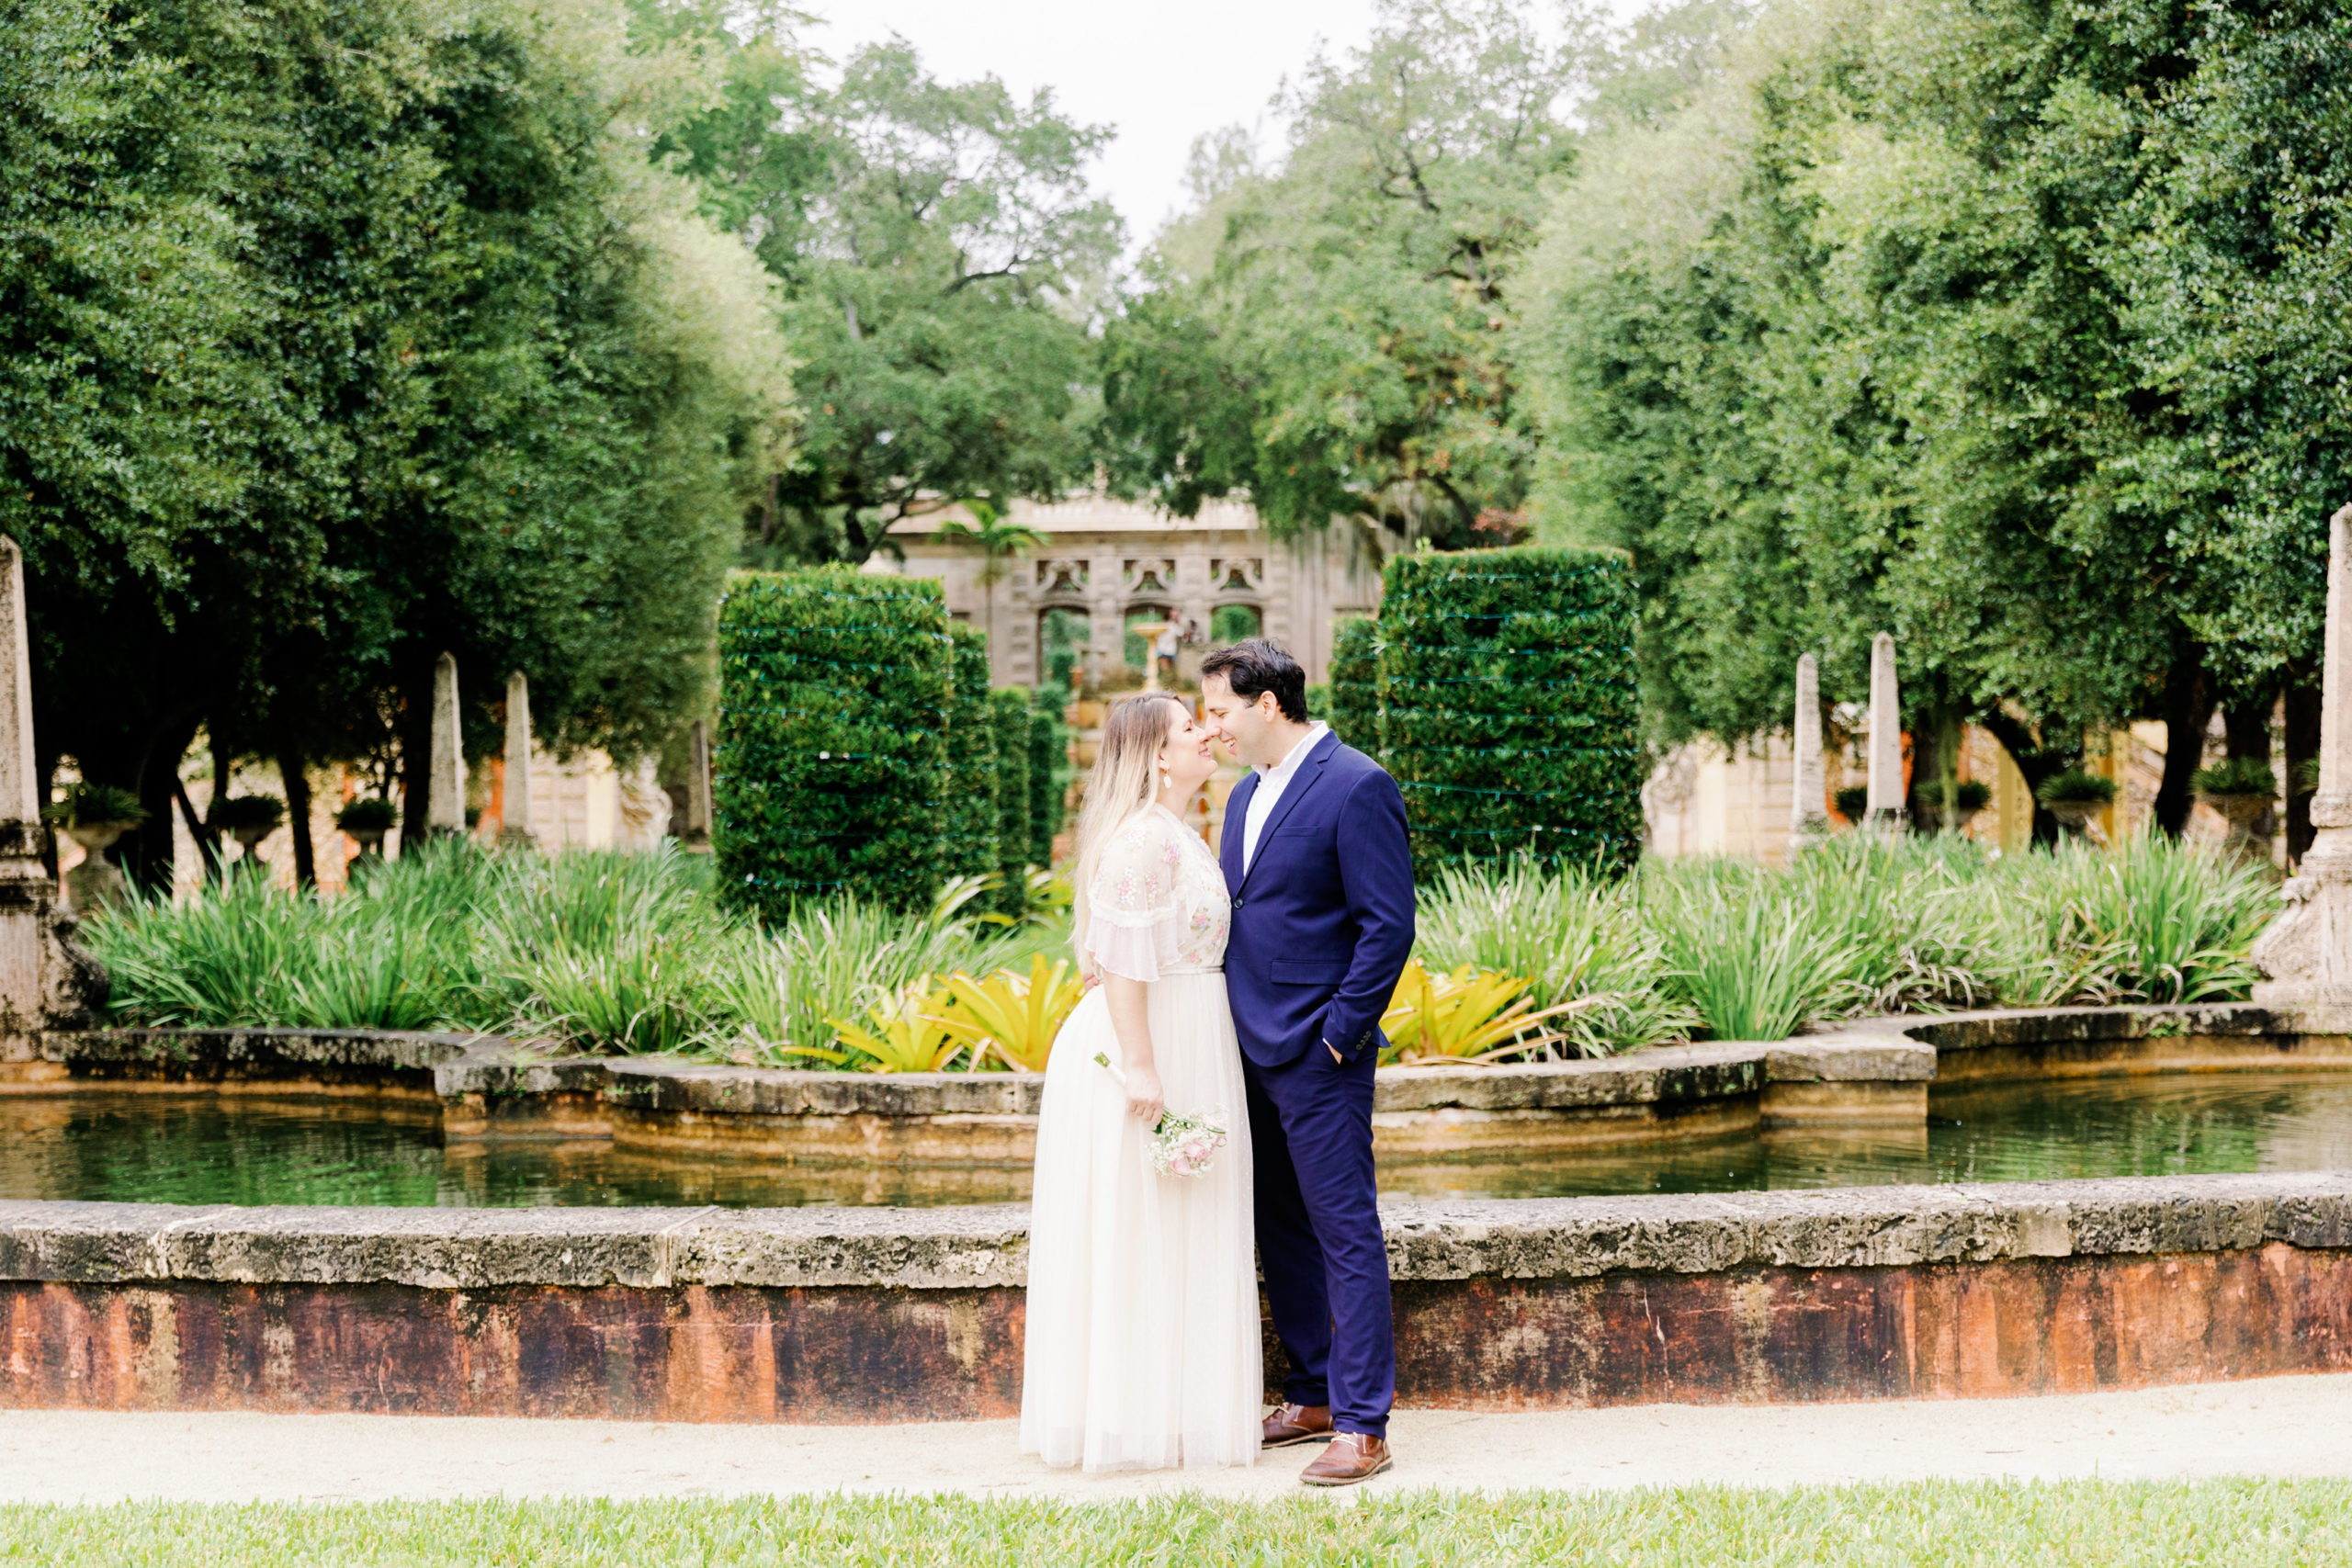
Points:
(1158, 902)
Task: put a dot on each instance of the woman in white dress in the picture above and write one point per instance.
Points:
(1143, 1349)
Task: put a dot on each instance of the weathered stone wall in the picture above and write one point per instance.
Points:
(842, 1314)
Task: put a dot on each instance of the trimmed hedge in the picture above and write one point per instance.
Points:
(970, 804)
(1008, 714)
(1049, 772)
(1354, 701)
(1508, 711)
(830, 767)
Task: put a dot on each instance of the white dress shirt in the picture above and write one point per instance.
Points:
(1272, 782)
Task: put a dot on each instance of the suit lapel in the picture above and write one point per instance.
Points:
(1228, 839)
(1303, 779)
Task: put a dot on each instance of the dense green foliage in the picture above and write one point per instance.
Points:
(1859, 925)
(1509, 714)
(2010, 328)
(1354, 700)
(938, 250)
(1934, 1524)
(337, 336)
(638, 952)
(1049, 774)
(607, 952)
(1010, 737)
(829, 770)
(968, 799)
(1333, 335)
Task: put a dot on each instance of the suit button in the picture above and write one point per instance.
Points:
(1236, 903)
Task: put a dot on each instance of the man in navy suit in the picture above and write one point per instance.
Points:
(1315, 859)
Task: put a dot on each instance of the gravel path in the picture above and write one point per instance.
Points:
(2277, 1427)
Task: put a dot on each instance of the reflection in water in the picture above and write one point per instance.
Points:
(2172, 1124)
(148, 1147)
(153, 1148)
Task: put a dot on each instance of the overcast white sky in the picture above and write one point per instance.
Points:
(1160, 73)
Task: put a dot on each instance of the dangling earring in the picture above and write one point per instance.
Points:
(1164, 779)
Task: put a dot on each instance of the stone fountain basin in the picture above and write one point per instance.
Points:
(1872, 1073)
(834, 1315)
(862, 1315)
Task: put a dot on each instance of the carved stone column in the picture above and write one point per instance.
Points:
(445, 795)
(1808, 814)
(515, 826)
(47, 981)
(1886, 802)
(2307, 951)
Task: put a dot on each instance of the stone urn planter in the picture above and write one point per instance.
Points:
(2075, 817)
(96, 880)
(2241, 812)
(248, 819)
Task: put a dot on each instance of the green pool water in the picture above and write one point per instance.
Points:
(144, 1147)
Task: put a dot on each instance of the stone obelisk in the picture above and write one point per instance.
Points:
(1808, 803)
(515, 826)
(2307, 951)
(444, 801)
(697, 838)
(1886, 738)
(46, 981)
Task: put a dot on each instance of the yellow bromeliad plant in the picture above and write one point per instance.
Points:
(903, 1037)
(1468, 1015)
(1011, 1015)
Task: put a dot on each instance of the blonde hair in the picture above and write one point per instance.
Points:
(1120, 789)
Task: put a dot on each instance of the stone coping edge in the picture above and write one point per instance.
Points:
(986, 1247)
(496, 1070)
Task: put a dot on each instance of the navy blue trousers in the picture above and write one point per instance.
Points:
(1318, 1236)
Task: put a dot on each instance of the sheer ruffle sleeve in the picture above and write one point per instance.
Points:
(1134, 922)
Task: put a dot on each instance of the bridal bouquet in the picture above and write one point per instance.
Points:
(1183, 1143)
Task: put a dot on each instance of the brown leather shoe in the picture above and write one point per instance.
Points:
(1352, 1457)
(1297, 1423)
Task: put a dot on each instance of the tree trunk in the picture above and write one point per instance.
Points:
(2036, 762)
(2302, 749)
(2188, 710)
(207, 843)
(224, 771)
(2247, 727)
(145, 855)
(416, 748)
(298, 817)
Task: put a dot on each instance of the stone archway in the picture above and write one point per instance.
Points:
(1235, 619)
(1065, 638)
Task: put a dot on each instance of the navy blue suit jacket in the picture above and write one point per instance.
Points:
(1323, 921)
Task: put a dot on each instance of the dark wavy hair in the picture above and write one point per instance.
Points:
(1254, 666)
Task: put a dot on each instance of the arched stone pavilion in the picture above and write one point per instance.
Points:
(1110, 565)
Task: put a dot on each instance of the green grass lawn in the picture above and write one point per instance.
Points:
(2087, 1522)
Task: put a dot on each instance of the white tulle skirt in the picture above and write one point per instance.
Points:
(1143, 1350)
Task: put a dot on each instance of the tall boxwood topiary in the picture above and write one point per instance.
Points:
(1355, 683)
(1049, 772)
(1009, 710)
(1508, 710)
(970, 804)
(830, 767)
